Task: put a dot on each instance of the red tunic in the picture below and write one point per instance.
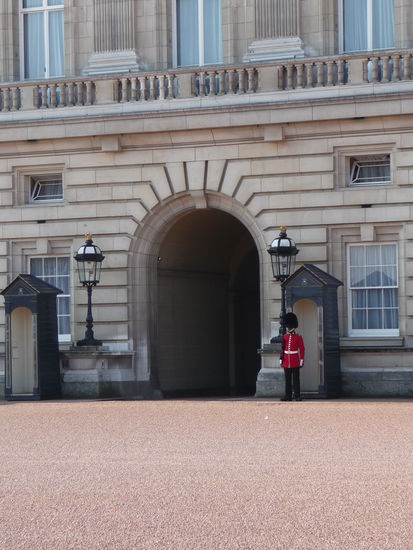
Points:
(293, 351)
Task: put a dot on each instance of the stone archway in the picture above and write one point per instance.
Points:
(208, 307)
(143, 282)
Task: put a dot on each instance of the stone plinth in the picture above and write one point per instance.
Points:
(94, 372)
(290, 47)
(270, 379)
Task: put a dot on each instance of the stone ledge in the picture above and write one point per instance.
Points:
(377, 382)
(383, 344)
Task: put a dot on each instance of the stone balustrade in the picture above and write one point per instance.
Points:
(305, 73)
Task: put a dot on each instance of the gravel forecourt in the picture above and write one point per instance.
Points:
(211, 474)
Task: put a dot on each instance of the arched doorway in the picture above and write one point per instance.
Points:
(208, 307)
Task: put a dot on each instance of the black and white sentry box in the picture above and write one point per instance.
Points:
(312, 294)
(32, 348)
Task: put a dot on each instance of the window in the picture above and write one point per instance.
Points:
(198, 32)
(56, 272)
(367, 24)
(370, 170)
(42, 38)
(373, 290)
(46, 188)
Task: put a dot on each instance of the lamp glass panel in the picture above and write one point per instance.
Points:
(90, 268)
(97, 274)
(81, 271)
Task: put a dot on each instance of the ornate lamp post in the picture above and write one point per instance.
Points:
(89, 259)
(283, 252)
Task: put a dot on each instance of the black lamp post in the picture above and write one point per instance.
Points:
(89, 259)
(283, 252)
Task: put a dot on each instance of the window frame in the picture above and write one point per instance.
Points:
(64, 337)
(360, 333)
(46, 10)
(369, 29)
(366, 158)
(44, 180)
(201, 37)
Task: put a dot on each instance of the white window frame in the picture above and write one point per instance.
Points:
(46, 10)
(62, 337)
(201, 50)
(369, 332)
(38, 181)
(369, 27)
(370, 160)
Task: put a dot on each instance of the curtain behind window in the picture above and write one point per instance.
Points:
(374, 294)
(212, 31)
(383, 24)
(34, 54)
(187, 23)
(355, 25)
(56, 43)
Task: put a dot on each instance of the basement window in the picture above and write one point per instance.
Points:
(370, 170)
(46, 188)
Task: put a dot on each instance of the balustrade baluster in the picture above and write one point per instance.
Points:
(15, 98)
(202, 83)
(375, 69)
(251, 78)
(340, 71)
(133, 88)
(309, 75)
(171, 91)
(89, 92)
(62, 94)
(300, 69)
(320, 74)
(212, 85)
(142, 88)
(231, 82)
(71, 87)
(396, 67)
(36, 90)
(365, 65)
(161, 80)
(221, 80)
(79, 93)
(152, 87)
(53, 98)
(290, 74)
(406, 67)
(386, 68)
(43, 88)
(241, 82)
(6, 99)
(330, 73)
(124, 89)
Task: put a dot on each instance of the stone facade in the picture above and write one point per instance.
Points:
(145, 149)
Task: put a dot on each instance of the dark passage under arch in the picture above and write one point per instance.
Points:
(208, 307)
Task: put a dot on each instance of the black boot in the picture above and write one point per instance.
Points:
(286, 399)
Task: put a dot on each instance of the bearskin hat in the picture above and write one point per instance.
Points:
(291, 320)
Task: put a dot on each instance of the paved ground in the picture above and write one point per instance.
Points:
(206, 474)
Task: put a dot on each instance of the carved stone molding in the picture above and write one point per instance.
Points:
(277, 31)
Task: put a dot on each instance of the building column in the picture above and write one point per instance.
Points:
(114, 37)
(277, 31)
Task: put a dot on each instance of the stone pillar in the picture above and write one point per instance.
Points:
(114, 37)
(277, 31)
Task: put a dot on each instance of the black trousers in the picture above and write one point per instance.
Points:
(292, 378)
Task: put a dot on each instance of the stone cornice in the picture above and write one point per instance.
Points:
(353, 102)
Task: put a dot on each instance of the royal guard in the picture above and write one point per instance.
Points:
(292, 358)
